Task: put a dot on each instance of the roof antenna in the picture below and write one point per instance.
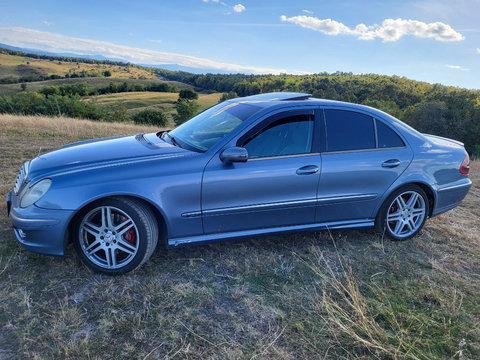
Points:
(39, 151)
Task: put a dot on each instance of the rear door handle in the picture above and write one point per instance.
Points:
(307, 170)
(391, 163)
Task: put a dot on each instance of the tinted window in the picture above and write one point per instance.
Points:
(288, 136)
(348, 130)
(387, 137)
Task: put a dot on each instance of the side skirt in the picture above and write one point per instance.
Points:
(235, 235)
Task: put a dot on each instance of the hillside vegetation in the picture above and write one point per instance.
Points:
(430, 108)
(339, 295)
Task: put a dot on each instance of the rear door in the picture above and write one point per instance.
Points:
(361, 157)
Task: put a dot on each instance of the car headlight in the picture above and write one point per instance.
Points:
(34, 193)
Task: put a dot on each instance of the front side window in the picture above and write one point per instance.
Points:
(210, 126)
(348, 130)
(288, 136)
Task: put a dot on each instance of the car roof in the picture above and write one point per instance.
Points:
(272, 99)
(276, 98)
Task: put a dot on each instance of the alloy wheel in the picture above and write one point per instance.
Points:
(406, 214)
(109, 237)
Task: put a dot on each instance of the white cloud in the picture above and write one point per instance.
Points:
(239, 8)
(56, 43)
(389, 30)
(478, 50)
(48, 23)
(457, 67)
(307, 11)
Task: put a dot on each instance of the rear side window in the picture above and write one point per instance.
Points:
(387, 138)
(348, 130)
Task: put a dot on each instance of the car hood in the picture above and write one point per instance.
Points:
(102, 152)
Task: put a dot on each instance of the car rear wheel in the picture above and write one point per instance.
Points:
(403, 213)
(115, 235)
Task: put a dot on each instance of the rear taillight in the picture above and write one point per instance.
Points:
(465, 165)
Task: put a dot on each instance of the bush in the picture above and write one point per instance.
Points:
(151, 117)
(188, 94)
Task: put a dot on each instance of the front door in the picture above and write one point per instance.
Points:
(277, 185)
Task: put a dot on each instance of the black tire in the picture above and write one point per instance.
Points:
(114, 236)
(410, 219)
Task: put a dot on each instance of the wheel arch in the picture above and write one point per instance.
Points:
(423, 185)
(159, 216)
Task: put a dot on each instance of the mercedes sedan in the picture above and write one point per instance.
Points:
(263, 164)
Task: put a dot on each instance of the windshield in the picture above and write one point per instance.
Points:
(210, 126)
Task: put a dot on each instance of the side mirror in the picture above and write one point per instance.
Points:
(234, 154)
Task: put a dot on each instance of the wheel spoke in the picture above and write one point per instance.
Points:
(411, 224)
(91, 228)
(398, 227)
(417, 212)
(93, 248)
(111, 257)
(413, 199)
(394, 217)
(124, 230)
(400, 202)
(125, 223)
(126, 246)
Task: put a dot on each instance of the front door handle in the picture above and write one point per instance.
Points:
(391, 163)
(307, 170)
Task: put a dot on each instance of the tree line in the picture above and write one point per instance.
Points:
(83, 89)
(69, 100)
(431, 108)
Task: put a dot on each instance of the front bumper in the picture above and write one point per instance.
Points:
(39, 230)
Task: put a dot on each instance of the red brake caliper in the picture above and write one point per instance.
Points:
(393, 208)
(129, 235)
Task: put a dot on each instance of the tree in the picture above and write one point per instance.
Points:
(429, 117)
(228, 96)
(185, 110)
(188, 94)
(151, 117)
(107, 73)
(23, 86)
(49, 90)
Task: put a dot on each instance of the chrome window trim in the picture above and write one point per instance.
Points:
(283, 156)
(363, 150)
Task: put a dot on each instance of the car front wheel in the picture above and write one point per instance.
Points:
(403, 213)
(115, 235)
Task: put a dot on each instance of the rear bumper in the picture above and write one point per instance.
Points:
(451, 195)
(39, 230)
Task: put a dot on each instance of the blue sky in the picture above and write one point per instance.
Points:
(437, 41)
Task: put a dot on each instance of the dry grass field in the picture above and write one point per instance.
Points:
(338, 295)
(138, 101)
(17, 66)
